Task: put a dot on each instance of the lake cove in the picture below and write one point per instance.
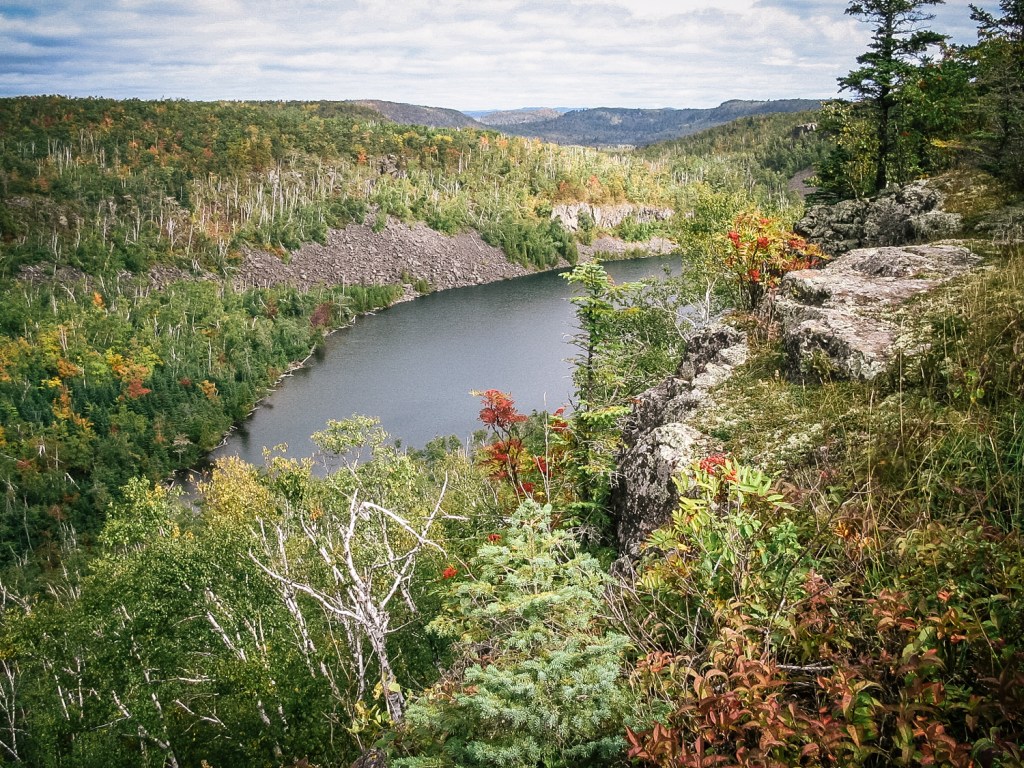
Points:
(414, 365)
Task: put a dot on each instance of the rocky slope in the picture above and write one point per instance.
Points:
(400, 253)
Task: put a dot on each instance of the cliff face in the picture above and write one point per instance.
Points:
(608, 215)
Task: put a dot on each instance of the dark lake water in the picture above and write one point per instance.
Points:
(414, 365)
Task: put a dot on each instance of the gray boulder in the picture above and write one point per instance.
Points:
(839, 321)
(907, 214)
(658, 444)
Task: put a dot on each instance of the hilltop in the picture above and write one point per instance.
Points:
(524, 116)
(600, 127)
(413, 114)
(607, 126)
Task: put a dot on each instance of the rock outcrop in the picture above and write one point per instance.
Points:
(608, 215)
(657, 441)
(839, 321)
(909, 214)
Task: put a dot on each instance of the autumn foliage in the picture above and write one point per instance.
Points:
(759, 250)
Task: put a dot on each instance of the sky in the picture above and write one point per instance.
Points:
(484, 54)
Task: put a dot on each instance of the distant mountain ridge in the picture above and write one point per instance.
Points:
(413, 114)
(610, 126)
(505, 117)
(600, 127)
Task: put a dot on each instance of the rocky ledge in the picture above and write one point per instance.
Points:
(840, 321)
(658, 442)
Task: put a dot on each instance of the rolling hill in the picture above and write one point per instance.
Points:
(606, 126)
(413, 114)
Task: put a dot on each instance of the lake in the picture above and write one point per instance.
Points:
(414, 365)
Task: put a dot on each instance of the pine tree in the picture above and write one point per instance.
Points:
(1000, 87)
(897, 42)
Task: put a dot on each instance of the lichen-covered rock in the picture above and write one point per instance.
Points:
(908, 214)
(657, 444)
(838, 321)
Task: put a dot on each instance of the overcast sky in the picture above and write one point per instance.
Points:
(485, 54)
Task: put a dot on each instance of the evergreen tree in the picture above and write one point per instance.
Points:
(898, 40)
(1000, 87)
(537, 679)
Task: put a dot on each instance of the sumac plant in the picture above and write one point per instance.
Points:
(524, 464)
(771, 651)
(758, 251)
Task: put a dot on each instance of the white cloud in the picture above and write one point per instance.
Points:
(458, 53)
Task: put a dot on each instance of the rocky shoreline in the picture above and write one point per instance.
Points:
(407, 254)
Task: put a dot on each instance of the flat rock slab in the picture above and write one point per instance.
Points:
(840, 320)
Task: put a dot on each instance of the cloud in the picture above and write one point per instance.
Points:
(502, 53)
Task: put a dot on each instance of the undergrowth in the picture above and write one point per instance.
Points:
(866, 609)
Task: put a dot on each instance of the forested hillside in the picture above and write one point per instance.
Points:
(413, 114)
(124, 353)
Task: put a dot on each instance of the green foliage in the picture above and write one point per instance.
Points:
(874, 619)
(630, 337)
(194, 638)
(733, 540)
(98, 388)
(1000, 71)
(633, 231)
(585, 228)
(540, 674)
(898, 40)
(753, 156)
(542, 245)
(916, 115)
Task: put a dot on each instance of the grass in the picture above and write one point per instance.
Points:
(940, 440)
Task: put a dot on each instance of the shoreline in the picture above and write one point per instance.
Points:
(622, 252)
